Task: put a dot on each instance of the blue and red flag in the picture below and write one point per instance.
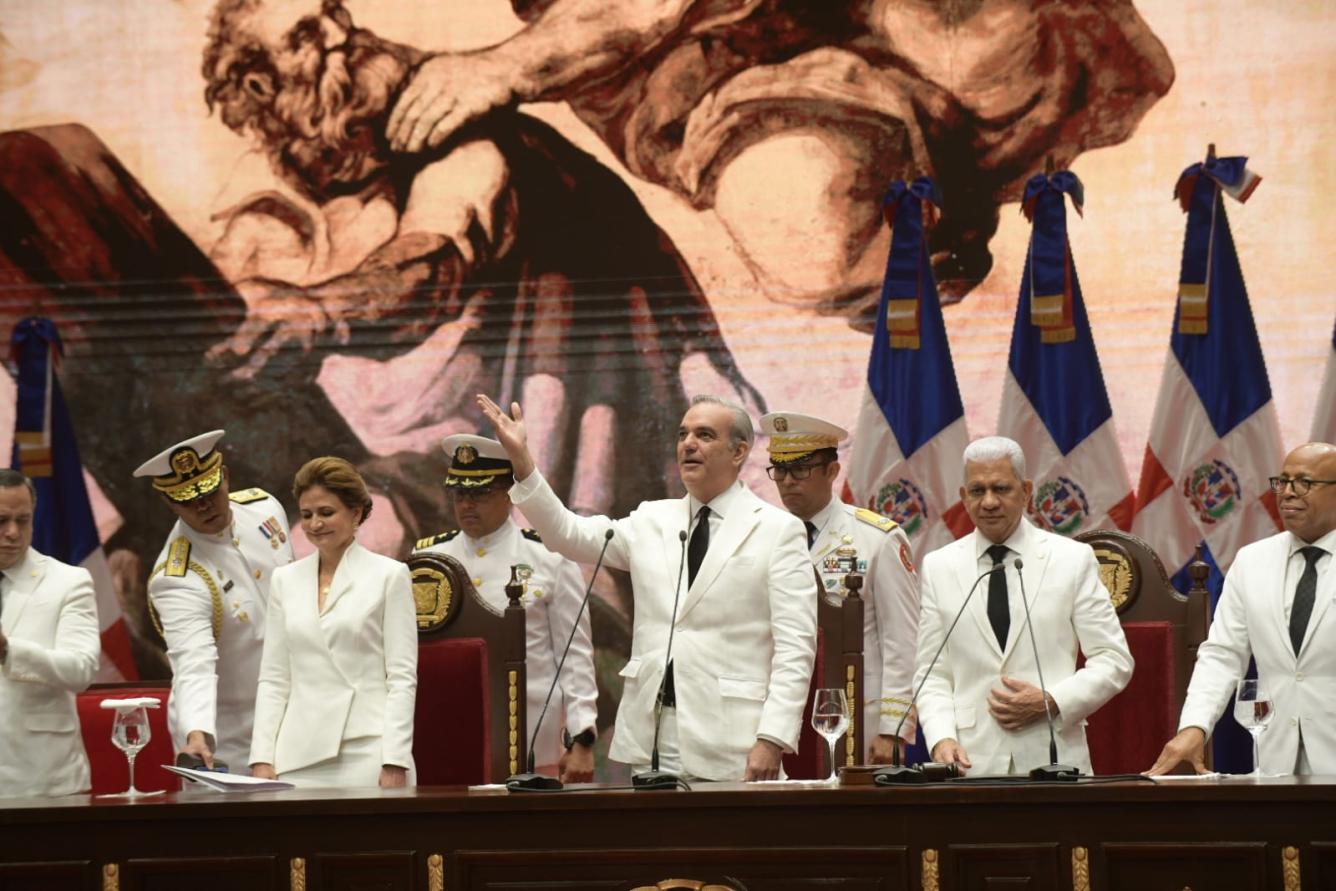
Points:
(45, 450)
(1324, 415)
(1054, 402)
(1215, 438)
(905, 457)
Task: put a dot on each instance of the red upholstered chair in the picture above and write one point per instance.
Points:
(469, 719)
(1163, 629)
(839, 663)
(111, 773)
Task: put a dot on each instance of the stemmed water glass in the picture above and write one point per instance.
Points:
(1253, 710)
(830, 718)
(130, 732)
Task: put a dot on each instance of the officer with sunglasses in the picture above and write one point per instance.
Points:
(1277, 607)
(804, 465)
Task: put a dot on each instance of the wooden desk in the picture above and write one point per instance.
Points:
(1278, 833)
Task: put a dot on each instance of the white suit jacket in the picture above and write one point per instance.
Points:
(50, 618)
(347, 673)
(1071, 612)
(890, 610)
(214, 678)
(551, 601)
(1250, 619)
(745, 637)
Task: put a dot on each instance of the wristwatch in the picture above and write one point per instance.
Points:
(584, 737)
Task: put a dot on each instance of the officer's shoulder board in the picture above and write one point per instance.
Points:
(439, 538)
(178, 558)
(532, 535)
(249, 496)
(872, 518)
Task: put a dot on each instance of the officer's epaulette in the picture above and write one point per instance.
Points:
(435, 539)
(248, 496)
(532, 535)
(872, 518)
(178, 558)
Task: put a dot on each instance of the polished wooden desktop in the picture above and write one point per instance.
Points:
(1217, 834)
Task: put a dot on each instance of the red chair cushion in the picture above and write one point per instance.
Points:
(452, 731)
(809, 762)
(1127, 733)
(111, 771)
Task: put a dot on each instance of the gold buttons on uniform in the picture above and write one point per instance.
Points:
(482, 552)
(236, 542)
(258, 573)
(476, 581)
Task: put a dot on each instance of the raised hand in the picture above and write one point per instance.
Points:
(510, 433)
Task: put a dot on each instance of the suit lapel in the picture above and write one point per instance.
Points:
(24, 578)
(743, 515)
(1036, 564)
(676, 522)
(1326, 591)
(343, 576)
(967, 570)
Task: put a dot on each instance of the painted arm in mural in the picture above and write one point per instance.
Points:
(569, 45)
(458, 215)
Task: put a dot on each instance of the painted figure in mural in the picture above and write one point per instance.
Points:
(710, 98)
(503, 259)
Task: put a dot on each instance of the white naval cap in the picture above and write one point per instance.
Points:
(476, 461)
(187, 470)
(794, 436)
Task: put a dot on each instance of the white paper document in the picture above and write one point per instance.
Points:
(228, 782)
(1186, 777)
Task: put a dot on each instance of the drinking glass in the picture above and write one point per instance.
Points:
(830, 718)
(1253, 710)
(130, 733)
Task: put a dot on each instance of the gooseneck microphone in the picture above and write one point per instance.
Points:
(654, 779)
(897, 774)
(530, 780)
(1053, 770)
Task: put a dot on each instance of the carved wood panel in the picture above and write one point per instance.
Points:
(1149, 867)
(258, 873)
(1031, 867)
(69, 875)
(376, 871)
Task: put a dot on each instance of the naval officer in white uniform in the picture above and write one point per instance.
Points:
(488, 543)
(804, 464)
(208, 594)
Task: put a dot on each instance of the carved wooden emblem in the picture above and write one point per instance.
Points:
(1118, 573)
(433, 592)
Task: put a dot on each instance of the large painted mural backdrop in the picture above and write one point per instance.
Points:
(324, 227)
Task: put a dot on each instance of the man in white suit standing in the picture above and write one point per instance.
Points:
(745, 636)
(981, 706)
(1276, 607)
(49, 647)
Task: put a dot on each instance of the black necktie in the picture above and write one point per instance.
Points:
(999, 613)
(811, 532)
(1304, 595)
(699, 544)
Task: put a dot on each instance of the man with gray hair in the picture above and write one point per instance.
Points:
(981, 706)
(722, 571)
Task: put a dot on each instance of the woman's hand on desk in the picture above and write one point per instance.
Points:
(393, 777)
(263, 771)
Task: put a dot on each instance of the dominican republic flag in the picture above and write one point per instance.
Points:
(1053, 398)
(905, 458)
(45, 450)
(1215, 438)
(1324, 417)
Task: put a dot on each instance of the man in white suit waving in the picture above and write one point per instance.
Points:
(981, 706)
(49, 645)
(745, 635)
(1276, 607)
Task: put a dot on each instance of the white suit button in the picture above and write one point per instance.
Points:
(1299, 676)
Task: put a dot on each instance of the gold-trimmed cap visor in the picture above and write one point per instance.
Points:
(795, 436)
(476, 462)
(188, 470)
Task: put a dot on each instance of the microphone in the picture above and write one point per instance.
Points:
(530, 780)
(654, 779)
(897, 774)
(1052, 770)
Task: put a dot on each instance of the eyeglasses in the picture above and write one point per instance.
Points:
(801, 472)
(474, 495)
(1301, 485)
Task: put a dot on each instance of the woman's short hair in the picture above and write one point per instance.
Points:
(338, 476)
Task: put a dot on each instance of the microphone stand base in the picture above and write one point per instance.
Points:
(898, 776)
(532, 782)
(655, 780)
(1055, 772)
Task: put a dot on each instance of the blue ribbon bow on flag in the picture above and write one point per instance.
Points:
(910, 209)
(1050, 260)
(1198, 192)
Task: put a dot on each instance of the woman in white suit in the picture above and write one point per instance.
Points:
(338, 677)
